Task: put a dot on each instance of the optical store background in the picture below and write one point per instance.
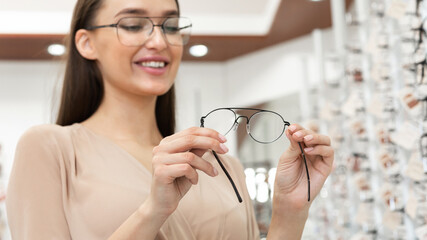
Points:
(361, 80)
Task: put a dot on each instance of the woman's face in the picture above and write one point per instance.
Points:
(147, 70)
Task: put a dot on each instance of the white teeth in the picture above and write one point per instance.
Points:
(153, 64)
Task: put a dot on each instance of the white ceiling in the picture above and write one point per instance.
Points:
(210, 17)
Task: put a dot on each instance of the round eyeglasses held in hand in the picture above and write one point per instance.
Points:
(135, 31)
(264, 126)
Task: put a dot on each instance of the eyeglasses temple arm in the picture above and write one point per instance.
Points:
(101, 26)
(228, 176)
(181, 28)
(306, 170)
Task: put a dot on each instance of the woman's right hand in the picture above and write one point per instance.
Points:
(174, 163)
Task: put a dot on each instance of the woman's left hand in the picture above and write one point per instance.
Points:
(291, 190)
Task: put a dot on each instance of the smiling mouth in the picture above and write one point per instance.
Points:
(153, 64)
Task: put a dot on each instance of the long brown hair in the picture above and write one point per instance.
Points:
(83, 89)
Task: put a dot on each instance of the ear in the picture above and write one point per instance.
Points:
(84, 44)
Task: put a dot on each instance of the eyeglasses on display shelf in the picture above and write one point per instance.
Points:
(354, 70)
(135, 31)
(334, 71)
(366, 220)
(409, 42)
(378, 8)
(423, 101)
(420, 68)
(383, 163)
(423, 151)
(383, 133)
(418, 206)
(382, 78)
(419, 34)
(362, 181)
(392, 194)
(418, 5)
(263, 126)
(339, 181)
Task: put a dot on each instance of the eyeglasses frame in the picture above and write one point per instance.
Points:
(115, 25)
(202, 122)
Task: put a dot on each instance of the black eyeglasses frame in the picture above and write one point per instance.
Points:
(286, 124)
(116, 25)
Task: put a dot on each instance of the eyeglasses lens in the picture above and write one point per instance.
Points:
(266, 127)
(221, 120)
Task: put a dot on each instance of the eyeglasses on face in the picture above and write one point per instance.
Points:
(135, 31)
(263, 126)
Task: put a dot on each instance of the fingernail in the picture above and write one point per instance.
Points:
(223, 147)
(308, 138)
(309, 149)
(215, 172)
(222, 137)
(292, 128)
(298, 134)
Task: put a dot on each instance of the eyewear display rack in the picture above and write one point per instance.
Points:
(373, 104)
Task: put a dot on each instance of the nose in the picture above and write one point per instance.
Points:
(157, 39)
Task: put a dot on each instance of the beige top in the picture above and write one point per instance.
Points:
(69, 183)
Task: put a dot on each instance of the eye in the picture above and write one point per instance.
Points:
(134, 24)
(171, 29)
(172, 26)
(132, 28)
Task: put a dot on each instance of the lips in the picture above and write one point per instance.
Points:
(155, 65)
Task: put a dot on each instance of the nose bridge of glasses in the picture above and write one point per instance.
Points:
(245, 117)
(236, 122)
(153, 28)
(160, 33)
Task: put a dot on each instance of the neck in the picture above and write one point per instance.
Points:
(126, 118)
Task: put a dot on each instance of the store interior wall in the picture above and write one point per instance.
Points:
(273, 72)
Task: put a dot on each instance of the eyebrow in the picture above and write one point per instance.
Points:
(141, 11)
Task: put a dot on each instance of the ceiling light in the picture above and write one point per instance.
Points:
(316, 0)
(198, 50)
(56, 49)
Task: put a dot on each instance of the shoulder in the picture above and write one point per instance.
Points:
(44, 138)
(45, 132)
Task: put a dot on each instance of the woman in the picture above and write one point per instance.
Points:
(113, 167)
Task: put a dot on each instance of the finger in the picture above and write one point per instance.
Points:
(199, 152)
(197, 131)
(327, 152)
(295, 146)
(316, 139)
(168, 173)
(187, 158)
(190, 142)
(294, 127)
(300, 134)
